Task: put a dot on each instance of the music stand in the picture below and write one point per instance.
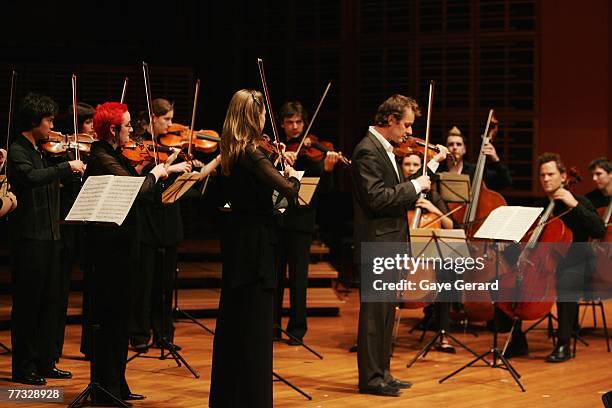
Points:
(453, 188)
(175, 191)
(505, 223)
(446, 244)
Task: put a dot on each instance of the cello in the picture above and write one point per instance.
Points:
(602, 278)
(532, 275)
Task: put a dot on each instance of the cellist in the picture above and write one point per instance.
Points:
(601, 173)
(580, 217)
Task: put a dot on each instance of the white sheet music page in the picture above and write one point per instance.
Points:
(119, 199)
(509, 223)
(90, 198)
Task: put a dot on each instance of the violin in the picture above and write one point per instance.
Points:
(138, 152)
(204, 141)
(58, 144)
(414, 145)
(314, 149)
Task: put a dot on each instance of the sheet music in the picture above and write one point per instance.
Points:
(105, 199)
(119, 199)
(90, 198)
(508, 223)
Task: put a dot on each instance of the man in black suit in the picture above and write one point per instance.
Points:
(381, 196)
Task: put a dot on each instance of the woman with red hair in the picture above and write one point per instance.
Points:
(114, 253)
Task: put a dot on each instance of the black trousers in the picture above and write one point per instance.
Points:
(241, 373)
(113, 277)
(374, 342)
(161, 294)
(69, 255)
(36, 305)
(294, 257)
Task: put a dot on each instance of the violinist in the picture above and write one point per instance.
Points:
(35, 244)
(601, 173)
(579, 215)
(162, 231)
(497, 175)
(8, 202)
(242, 352)
(381, 197)
(297, 224)
(116, 256)
(71, 234)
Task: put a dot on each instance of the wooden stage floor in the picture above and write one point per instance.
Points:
(332, 381)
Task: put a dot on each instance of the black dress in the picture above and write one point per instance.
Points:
(114, 253)
(242, 355)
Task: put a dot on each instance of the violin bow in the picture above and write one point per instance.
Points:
(125, 84)
(314, 116)
(193, 115)
(262, 75)
(145, 73)
(4, 183)
(75, 121)
(417, 213)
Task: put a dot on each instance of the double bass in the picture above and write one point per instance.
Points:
(483, 201)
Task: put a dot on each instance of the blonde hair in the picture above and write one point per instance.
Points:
(241, 126)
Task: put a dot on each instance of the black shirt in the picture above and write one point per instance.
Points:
(598, 199)
(35, 182)
(582, 219)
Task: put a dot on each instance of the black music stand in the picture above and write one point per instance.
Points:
(163, 342)
(497, 227)
(94, 389)
(436, 237)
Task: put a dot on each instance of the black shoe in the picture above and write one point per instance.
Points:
(56, 373)
(518, 346)
(444, 348)
(132, 397)
(30, 379)
(560, 354)
(353, 348)
(382, 389)
(399, 384)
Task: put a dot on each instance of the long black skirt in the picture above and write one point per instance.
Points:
(242, 355)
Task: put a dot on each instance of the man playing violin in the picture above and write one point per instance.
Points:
(497, 175)
(297, 223)
(381, 197)
(35, 244)
(579, 215)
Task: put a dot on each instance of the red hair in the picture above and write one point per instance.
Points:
(107, 115)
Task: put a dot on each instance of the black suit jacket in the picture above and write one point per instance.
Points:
(35, 182)
(380, 197)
